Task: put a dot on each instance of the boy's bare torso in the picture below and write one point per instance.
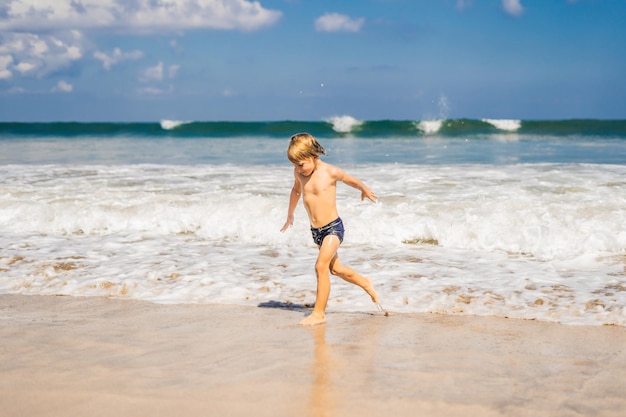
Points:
(319, 191)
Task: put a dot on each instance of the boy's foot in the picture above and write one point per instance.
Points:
(314, 319)
(369, 288)
(382, 309)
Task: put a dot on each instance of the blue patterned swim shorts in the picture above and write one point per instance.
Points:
(334, 228)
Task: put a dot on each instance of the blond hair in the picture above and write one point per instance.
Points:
(303, 146)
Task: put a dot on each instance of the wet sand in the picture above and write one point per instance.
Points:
(65, 356)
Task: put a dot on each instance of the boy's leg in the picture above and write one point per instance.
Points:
(350, 275)
(327, 253)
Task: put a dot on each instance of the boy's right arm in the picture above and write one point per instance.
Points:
(294, 197)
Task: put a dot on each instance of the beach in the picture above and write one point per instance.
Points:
(98, 356)
(143, 272)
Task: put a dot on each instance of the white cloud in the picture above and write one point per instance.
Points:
(335, 22)
(153, 91)
(5, 63)
(152, 73)
(40, 55)
(16, 90)
(63, 87)
(43, 37)
(159, 73)
(25, 68)
(513, 7)
(115, 57)
(141, 15)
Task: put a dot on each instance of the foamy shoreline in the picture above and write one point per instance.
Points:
(71, 356)
(541, 242)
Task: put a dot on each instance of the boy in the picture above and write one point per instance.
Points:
(317, 181)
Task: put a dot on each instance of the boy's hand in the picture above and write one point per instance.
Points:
(288, 224)
(367, 193)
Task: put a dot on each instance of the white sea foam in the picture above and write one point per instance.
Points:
(504, 124)
(344, 124)
(429, 127)
(172, 124)
(530, 241)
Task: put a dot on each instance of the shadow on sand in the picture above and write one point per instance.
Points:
(286, 305)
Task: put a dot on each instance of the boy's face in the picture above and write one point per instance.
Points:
(305, 167)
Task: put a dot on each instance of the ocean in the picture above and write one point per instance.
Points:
(507, 218)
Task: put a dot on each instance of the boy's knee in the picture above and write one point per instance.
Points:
(321, 267)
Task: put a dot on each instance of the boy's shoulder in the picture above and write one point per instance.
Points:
(333, 172)
(326, 164)
(331, 169)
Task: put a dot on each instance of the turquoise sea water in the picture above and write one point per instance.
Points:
(336, 127)
(418, 142)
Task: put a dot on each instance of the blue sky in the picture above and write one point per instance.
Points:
(148, 60)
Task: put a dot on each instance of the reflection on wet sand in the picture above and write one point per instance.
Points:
(343, 373)
(321, 403)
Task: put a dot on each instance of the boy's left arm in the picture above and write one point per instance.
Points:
(294, 197)
(359, 185)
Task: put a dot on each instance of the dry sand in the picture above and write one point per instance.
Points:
(62, 356)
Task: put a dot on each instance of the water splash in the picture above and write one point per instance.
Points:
(172, 124)
(504, 124)
(344, 124)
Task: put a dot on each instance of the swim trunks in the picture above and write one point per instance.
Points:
(334, 228)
